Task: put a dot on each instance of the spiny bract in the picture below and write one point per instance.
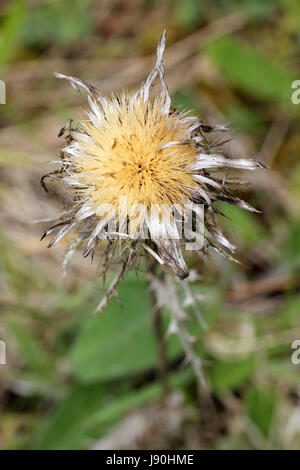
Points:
(136, 147)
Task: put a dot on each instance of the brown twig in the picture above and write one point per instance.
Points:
(111, 291)
(264, 286)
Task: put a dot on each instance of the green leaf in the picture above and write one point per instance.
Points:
(117, 408)
(30, 350)
(288, 316)
(65, 431)
(284, 371)
(260, 407)
(243, 224)
(120, 341)
(10, 30)
(291, 19)
(251, 71)
(226, 376)
(189, 12)
(292, 250)
(256, 9)
(244, 119)
(83, 411)
(184, 99)
(60, 22)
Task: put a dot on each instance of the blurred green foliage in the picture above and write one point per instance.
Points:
(61, 22)
(96, 353)
(72, 377)
(15, 16)
(251, 71)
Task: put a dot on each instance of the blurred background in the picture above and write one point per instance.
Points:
(75, 382)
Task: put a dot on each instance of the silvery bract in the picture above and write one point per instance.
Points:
(137, 148)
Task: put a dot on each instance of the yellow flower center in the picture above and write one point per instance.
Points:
(123, 156)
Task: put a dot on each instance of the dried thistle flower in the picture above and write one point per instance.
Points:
(138, 148)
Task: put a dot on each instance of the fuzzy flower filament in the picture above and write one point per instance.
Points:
(135, 147)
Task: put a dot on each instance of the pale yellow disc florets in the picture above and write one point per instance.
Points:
(137, 170)
(123, 156)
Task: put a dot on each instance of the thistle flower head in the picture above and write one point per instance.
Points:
(125, 152)
(135, 148)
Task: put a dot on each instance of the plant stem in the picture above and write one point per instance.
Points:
(162, 353)
(160, 338)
